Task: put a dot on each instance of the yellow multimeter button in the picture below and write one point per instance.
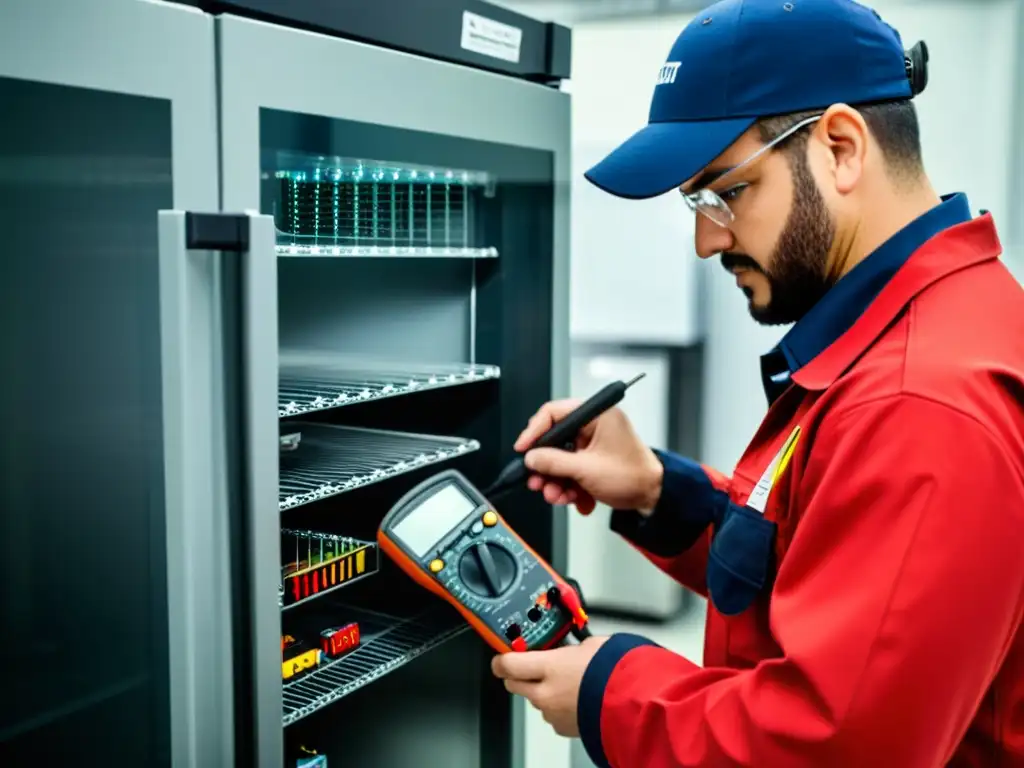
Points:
(490, 518)
(436, 566)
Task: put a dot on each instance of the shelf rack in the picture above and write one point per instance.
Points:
(388, 642)
(331, 460)
(323, 563)
(315, 382)
(336, 206)
(390, 251)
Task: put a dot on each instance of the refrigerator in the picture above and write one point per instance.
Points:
(267, 266)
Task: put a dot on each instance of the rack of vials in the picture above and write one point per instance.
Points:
(347, 207)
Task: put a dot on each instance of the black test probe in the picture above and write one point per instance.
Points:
(563, 434)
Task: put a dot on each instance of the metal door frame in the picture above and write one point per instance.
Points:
(154, 49)
(390, 89)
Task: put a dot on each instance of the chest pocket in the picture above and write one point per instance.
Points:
(741, 561)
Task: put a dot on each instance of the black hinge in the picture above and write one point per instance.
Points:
(216, 232)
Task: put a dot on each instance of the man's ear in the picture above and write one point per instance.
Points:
(844, 135)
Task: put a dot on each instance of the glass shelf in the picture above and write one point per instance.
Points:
(391, 251)
(387, 643)
(337, 206)
(321, 564)
(313, 382)
(331, 460)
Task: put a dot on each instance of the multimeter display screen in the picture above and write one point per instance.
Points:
(433, 519)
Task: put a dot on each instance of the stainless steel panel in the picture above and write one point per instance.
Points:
(138, 47)
(119, 65)
(263, 65)
(198, 536)
(82, 508)
(408, 309)
(259, 354)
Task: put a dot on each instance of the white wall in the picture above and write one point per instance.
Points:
(633, 276)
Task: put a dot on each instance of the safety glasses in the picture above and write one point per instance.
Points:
(713, 204)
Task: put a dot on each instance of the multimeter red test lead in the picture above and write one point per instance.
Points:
(563, 434)
(449, 539)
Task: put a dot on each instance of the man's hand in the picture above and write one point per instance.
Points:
(550, 680)
(610, 464)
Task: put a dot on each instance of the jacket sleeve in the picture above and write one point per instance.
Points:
(893, 609)
(676, 535)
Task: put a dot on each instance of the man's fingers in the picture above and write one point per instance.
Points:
(553, 492)
(557, 494)
(562, 494)
(568, 497)
(524, 667)
(535, 693)
(524, 689)
(551, 489)
(543, 420)
(554, 463)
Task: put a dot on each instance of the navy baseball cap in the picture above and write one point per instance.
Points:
(741, 60)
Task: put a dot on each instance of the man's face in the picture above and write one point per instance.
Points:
(779, 241)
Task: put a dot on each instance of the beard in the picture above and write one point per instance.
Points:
(799, 273)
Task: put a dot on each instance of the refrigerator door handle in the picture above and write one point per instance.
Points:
(260, 448)
(218, 296)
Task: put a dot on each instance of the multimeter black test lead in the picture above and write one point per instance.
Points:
(449, 539)
(563, 434)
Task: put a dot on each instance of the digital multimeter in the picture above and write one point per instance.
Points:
(448, 538)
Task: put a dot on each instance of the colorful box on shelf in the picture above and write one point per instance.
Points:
(299, 657)
(337, 641)
(323, 562)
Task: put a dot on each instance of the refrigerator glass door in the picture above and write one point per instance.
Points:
(108, 117)
(420, 211)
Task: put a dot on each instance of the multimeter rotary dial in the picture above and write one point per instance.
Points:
(487, 569)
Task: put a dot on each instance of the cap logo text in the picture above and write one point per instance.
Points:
(667, 74)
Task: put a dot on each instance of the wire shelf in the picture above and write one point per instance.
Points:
(390, 251)
(315, 382)
(399, 641)
(302, 166)
(331, 460)
(322, 563)
(334, 206)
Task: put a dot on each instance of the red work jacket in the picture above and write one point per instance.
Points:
(888, 631)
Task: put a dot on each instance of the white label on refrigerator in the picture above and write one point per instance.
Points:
(491, 38)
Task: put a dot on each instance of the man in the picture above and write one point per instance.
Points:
(864, 564)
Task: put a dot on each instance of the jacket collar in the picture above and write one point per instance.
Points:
(956, 248)
(848, 299)
(839, 309)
